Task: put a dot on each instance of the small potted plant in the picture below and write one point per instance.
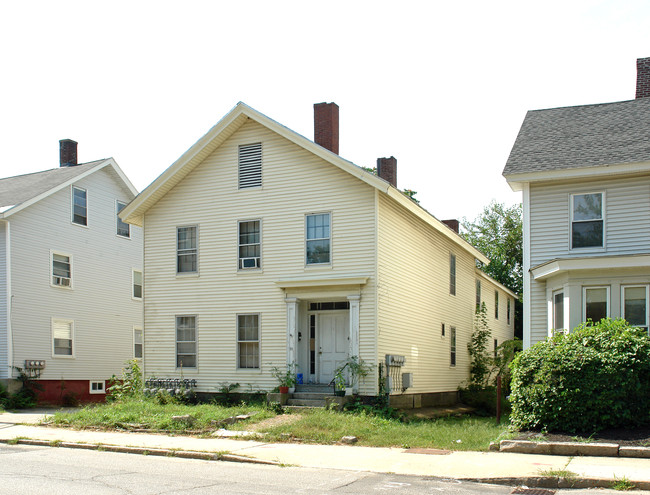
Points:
(286, 377)
(339, 381)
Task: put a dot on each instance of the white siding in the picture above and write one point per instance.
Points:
(627, 218)
(4, 351)
(294, 183)
(414, 300)
(100, 301)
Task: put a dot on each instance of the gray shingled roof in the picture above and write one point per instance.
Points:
(21, 188)
(582, 136)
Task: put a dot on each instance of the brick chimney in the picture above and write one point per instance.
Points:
(67, 153)
(452, 224)
(387, 169)
(326, 126)
(642, 77)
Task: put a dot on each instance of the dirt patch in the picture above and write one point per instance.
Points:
(279, 420)
(631, 437)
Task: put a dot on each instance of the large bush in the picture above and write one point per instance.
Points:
(596, 377)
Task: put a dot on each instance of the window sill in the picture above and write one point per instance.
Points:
(64, 287)
(60, 356)
(128, 238)
(187, 275)
(80, 225)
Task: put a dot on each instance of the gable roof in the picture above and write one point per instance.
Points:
(571, 138)
(233, 120)
(21, 191)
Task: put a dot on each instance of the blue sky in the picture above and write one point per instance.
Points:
(442, 86)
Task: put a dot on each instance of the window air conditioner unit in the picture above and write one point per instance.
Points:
(65, 282)
(250, 263)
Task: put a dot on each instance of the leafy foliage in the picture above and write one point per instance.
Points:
(497, 233)
(596, 377)
(130, 385)
(480, 362)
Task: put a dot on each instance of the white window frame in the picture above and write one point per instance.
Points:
(564, 311)
(585, 288)
(133, 285)
(452, 274)
(453, 347)
(258, 341)
(52, 276)
(258, 263)
(72, 206)
(647, 302)
(571, 221)
(478, 295)
(118, 220)
(496, 304)
(328, 263)
(139, 329)
(196, 249)
(72, 344)
(97, 391)
(196, 342)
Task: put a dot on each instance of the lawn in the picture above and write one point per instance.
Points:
(313, 426)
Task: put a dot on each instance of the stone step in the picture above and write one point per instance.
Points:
(315, 388)
(306, 402)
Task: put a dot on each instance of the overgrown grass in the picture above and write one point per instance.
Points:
(314, 426)
(151, 415)
(321, 426)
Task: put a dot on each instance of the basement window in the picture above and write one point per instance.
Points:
(98, 387)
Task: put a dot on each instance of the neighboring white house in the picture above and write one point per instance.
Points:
(70, 277)
(585, 176)
(264, 248)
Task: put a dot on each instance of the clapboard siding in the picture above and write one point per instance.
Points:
(4, 343)
(627, 218)
(414, 300)
(99, 303)
(294, 183)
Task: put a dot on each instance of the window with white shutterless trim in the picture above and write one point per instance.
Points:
(250, 250)
(595, 303)
(634, 302)
(123, 229)
(318, 238)
(79, 206)
(61, 275)
(62, 338)
(137, 284)
(587, 220)
(138, 343)
(97, 387)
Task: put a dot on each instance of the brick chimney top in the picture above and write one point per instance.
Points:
(642, 77)
(387, 169)
(326, 126)
(453, 225)
(67, 153)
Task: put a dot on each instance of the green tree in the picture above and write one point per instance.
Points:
(497, 233)
(480, 362)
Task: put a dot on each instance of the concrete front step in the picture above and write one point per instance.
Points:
(315, 388)
(311, 395)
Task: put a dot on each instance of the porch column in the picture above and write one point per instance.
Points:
(292, 329)
(354, 324)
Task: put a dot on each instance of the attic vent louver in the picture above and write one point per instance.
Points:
(250, 165)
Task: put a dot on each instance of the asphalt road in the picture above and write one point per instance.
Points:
(49, 470)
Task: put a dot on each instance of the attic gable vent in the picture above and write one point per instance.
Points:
(250, 165)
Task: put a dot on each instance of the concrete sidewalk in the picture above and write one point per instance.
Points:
(493, 467)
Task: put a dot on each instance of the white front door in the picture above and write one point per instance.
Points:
(333, 332)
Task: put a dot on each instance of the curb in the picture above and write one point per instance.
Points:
(557, 483)
(573, 449)
(185, 454)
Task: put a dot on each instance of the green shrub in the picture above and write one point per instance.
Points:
(596, 377)
(130, 385)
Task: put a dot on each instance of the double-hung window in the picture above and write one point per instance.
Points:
(452, 346)
(508, 311)
(62, 337)
(123, 228)
(595, 305)
(186, 250)
(61, 270)
(248, 341)
(558, 311)
(137, 284)
(138, 343)
(635, 305)
(186, 341)
(318, 239)
(587, 220)
(496, 304)
(452, 274)
(79, 206)
(249, 245)
(478, 294)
